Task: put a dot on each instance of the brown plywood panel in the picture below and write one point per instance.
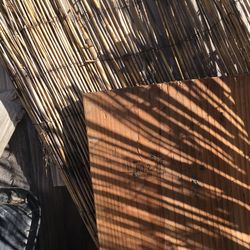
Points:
(170, 164)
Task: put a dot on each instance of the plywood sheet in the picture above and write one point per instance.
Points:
(170, 165)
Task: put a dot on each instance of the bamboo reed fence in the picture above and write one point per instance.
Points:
(57, 49)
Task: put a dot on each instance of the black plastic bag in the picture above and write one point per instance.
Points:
(19, 219)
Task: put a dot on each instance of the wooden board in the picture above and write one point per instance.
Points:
(170, 164)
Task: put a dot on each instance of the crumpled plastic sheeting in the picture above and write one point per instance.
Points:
(19, 219)
(11, 112)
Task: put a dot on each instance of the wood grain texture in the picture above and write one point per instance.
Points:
(170, 164)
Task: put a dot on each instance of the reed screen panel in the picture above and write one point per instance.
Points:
(57, 49)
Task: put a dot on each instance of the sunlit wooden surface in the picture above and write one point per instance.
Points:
(170, 165)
